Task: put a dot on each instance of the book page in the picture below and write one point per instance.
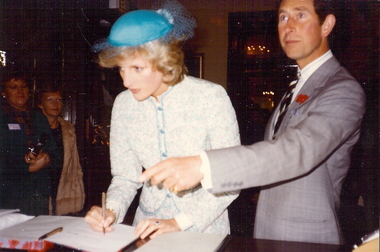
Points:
(7, 211)
(76, 233)
(11, 217)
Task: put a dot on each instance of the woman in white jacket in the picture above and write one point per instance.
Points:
(164, 113)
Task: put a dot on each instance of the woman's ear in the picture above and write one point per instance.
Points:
(167, 77)
(328, 25)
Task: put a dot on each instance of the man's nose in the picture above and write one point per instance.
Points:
(290, 25)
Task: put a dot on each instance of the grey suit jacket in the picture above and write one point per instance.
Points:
(302, 171)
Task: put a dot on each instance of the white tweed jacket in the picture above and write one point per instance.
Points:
(190, 117)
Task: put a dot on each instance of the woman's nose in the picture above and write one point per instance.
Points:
(126, 79)
(126, 83)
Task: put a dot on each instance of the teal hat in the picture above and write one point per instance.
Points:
(168, 21)
(138, 27)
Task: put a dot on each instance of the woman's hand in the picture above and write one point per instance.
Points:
(155, 227)
(94, 217)
(36, 163)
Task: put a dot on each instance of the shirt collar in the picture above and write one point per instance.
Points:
(309, 69)
(161, 96)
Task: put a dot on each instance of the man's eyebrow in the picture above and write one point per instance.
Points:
(281, 11)
(299, 8)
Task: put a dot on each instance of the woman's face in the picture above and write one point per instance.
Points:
(51, 104)
(16, 93)
(139, 76)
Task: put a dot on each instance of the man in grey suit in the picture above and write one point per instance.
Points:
(302, 166)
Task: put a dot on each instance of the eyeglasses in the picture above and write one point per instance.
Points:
(52, 100)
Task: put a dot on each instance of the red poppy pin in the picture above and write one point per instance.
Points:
(301, 98)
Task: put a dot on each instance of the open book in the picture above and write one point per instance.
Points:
(76, 234)
(11, 217)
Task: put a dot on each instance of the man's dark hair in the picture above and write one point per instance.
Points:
(322, 8)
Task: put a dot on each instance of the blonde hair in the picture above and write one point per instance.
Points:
(168, 58)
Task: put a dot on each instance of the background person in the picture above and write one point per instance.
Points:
(164, 113)
(301, 169)
(24, 177)
(67, 178)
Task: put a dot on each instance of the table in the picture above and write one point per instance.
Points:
(241, 244)
(247, 244)
(238, 244)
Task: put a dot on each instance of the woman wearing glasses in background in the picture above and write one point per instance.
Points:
(67, 196)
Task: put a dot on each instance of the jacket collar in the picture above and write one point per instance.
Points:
(315, 82)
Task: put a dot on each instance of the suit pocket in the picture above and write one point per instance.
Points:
(296, 118)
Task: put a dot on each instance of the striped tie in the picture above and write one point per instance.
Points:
(284, 105)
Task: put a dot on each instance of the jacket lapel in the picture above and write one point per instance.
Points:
(310, 89)
(315, 83)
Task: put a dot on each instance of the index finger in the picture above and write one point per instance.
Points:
(152, 171)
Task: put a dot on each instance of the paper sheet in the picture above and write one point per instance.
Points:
(76, 233)
(7, 211)
(11, 217)
(183, 241)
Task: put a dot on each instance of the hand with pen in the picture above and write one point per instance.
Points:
(146, 228)
(94, 218)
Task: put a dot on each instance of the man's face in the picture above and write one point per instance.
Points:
(300, 31)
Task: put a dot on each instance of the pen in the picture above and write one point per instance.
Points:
(104, 209)
(57, 230)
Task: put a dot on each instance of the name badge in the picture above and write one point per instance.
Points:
(14, 126)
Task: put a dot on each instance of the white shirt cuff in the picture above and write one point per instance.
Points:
(183, 221)
(206, 170)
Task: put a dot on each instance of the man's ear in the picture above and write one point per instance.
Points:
(328, 25)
